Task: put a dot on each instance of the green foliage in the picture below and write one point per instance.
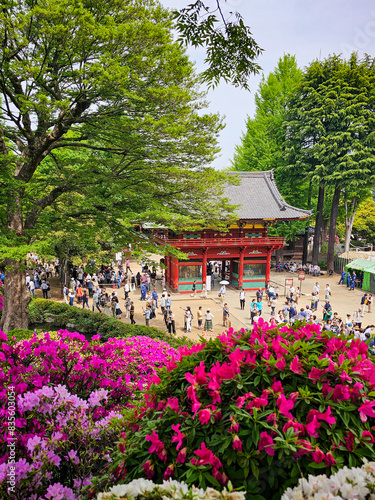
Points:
(231, 50)
(91, 323)
(364, 222)
(262, 142)
(19, 334)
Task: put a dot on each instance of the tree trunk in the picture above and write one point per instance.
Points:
(318, 226)
(16, 298)
(332, 228)
(349, 221)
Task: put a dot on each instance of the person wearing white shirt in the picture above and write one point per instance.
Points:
(242, 299)
(32, 288)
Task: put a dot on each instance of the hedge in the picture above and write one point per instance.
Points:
(91, 323)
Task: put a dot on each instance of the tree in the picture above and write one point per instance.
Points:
(364, 222)
(331, 122)
(262, 142)
(231, 50)
(100, 128)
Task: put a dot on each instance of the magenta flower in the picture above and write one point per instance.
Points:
(156, 445)
(329, 459)
(296, 366)
(285, 405)
(148, 468)
(317, 456)
(312, 427)
(280, 364)
(271, 419)
(266, 443)
(181, 457)
(169, 472)
(237, 443)
(173, 404)
(304, 447)
(367, 410)
(179, 437)
(204, 416)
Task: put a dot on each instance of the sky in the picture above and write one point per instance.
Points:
(308, 29)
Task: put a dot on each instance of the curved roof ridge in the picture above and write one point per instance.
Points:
(259, 198)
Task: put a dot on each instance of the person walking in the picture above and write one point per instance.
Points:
(194, 289)
(95, 301)
(208, 326)
(242, 299)
(32, 288)
(226, 315)
(204, 291)
(369, 302)
(253, 309)
(171, 325)
(200, 317)
(188, 318)
(65, 294)
(343, 276)
(147, 315)
(44, 288)
(118, 309)
(85, 300)
(358, 317)
(131, 313)
(71, 297)
(222, 293)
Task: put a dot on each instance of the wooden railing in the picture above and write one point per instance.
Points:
(219, 242)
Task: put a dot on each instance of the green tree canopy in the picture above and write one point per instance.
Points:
(330, 132)
(101, 127)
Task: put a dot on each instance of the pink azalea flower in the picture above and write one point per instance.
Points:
(317, 455)
(181, 457)
(204, 416)
(280, 364)
(367, 410)
(284, 405)
(266, 443)
(237, 443)
(200, 374)
(173, 404)
(156, 445)
(304, 447)
(368, 437)
(148, 468)
(329, 459)
(271, 419)
(315, 373)
(277, 387)
(179, 437)
(345, 377)
(312, 427)
(169, 472)
(296, 426)
(296, 366)
(327, 416)
(341, 393)
(206, 457)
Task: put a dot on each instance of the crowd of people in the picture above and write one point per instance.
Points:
(293, 267)
(104, 288)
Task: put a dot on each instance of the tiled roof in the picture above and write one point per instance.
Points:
(260, 199)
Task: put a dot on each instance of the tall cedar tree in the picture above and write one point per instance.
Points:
(331, 133)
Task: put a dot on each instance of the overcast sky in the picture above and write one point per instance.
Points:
(308, 29)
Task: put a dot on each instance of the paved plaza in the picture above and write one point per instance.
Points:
(343, 302)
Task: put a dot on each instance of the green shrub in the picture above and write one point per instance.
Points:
(91, 323)
(18, 334)
(322, 264)
(257, 408)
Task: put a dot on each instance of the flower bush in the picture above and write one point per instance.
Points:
(146, 489)
(69, 393)
(347, 483)
(257, 408)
